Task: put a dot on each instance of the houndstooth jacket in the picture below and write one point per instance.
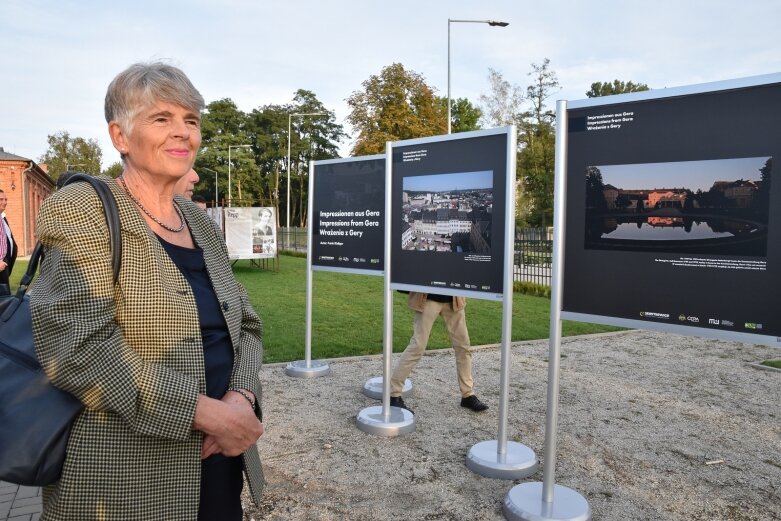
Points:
(132, 353)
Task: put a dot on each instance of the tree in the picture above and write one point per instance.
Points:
(396, 104)
(623, 202)
(536, 138)
(259, 173)
(71, 153)
(761, 199)
(545, 85)
(503, 105)
(114, 170)
(312, 138)
(595, 188)
(223, 125)
(465, 116)
(688, 202)
(617, 87)
(267, 127)
(534, 176)
(222, 118)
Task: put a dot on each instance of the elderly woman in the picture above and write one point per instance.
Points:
(166, 360)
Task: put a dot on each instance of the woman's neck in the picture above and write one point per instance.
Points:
(157, 207)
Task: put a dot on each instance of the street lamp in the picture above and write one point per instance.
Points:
(289, 118)
(492, 23)
(229, 169)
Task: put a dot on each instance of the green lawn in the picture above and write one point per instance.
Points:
(347, 313)
(20, 266)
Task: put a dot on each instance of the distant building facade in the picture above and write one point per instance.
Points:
(665, 198)
(26, 184)
(741, 192)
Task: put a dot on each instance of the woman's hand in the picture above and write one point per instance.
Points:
(230, 425)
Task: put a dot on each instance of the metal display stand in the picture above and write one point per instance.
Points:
(307, 368)
(547, 501)
(386, 420)
(374, 386)
(499, 458)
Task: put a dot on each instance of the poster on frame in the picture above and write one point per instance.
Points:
(250, 233)
(672, 203)
(449, 213)
(348, 215)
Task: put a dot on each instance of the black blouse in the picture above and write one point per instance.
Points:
(217, 349)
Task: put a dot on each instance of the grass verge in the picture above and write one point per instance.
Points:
(347, 313)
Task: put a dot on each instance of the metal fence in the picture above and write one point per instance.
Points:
(533, 255)
(292, 238)
(531, 259)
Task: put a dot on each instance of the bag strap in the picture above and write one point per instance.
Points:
(114, 231)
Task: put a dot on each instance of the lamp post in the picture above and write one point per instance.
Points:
(289, 119)
(229, 169)
(492, 23)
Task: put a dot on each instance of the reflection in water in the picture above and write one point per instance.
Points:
(671, 228)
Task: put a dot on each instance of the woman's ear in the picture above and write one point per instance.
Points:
(118, 137)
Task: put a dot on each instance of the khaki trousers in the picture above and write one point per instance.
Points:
(455, 322)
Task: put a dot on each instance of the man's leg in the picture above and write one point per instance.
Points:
(455, 321)
(417, 344)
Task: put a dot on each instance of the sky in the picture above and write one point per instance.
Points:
(694, 175)
(58, 56)
(446, 182)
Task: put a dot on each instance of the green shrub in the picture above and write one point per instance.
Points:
(530, 288)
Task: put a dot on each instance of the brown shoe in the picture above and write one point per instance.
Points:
(472, 402)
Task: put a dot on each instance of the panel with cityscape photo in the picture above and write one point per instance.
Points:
(449, 212)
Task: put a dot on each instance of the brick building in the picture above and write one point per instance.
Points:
(27, 184)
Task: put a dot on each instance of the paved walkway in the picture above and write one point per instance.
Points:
(19, 503)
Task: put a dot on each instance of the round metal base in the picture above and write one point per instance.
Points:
(519, 461)
(373, 388)
(300, 370)
(524, 503)
(372, 421)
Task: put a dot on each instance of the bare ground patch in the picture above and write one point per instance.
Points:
(651, 426)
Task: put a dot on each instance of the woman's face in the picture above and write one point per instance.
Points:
(265, 217)
(164, 140)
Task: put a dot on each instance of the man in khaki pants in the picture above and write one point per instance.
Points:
(427, 307)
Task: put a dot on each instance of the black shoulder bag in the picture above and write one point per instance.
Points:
(36, 416)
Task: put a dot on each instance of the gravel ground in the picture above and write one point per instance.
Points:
(651, 426)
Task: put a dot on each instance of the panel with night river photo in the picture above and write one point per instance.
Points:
(706, 207)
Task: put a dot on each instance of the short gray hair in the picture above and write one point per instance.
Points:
(143, 84)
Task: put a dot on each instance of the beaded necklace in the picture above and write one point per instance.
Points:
(155, 219)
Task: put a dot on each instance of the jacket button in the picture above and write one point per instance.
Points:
(225, 305)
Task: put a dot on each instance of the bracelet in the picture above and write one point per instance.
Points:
(245, 395)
